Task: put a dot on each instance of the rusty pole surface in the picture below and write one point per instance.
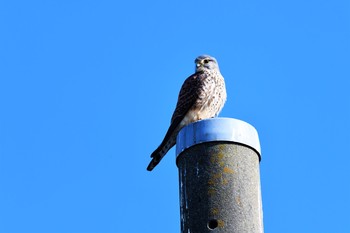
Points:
(218, 161)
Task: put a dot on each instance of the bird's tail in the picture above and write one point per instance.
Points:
(159, 153)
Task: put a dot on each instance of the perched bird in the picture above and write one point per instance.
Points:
(202, 96)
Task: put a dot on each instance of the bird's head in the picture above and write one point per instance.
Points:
(206, 62)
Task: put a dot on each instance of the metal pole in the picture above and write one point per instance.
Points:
(218, 161)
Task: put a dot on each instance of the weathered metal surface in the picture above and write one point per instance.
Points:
(220, 188)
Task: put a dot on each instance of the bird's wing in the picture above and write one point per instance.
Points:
(188, 96)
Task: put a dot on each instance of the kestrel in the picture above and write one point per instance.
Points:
(202, 96)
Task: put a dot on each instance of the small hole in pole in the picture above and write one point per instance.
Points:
(212, 224)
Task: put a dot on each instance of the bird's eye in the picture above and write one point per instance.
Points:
(206, 61)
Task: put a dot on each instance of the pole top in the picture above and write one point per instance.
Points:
(218, 129)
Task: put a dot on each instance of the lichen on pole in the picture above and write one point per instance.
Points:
(219, 178)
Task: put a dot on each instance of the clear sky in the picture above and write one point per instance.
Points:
(87, 90)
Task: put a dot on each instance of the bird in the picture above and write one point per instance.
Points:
(202, 96)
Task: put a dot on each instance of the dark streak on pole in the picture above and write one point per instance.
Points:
(218, 161)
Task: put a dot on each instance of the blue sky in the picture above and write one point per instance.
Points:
(87, 89)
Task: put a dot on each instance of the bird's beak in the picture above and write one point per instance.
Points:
(198, 64)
